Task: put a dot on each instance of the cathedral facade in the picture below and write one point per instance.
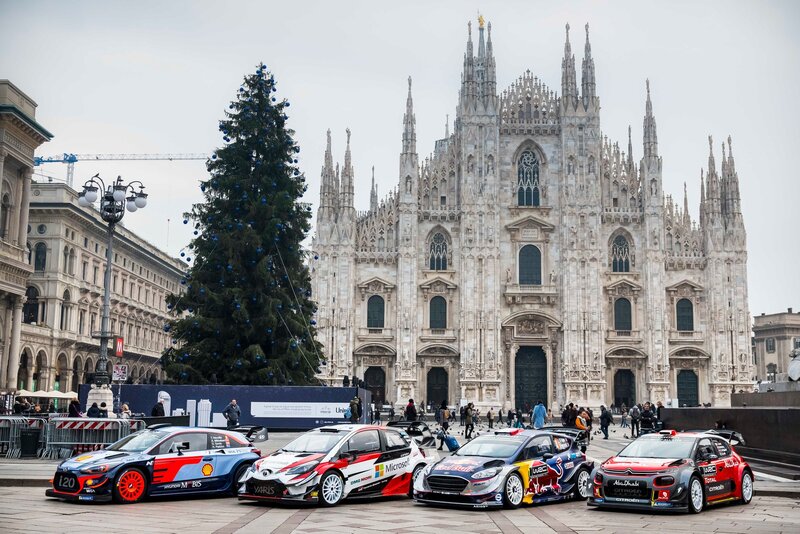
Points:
(531, 258)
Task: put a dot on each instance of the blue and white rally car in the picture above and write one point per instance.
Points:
(160, 460)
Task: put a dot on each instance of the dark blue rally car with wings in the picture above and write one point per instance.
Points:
(506, 469)
(160, 460)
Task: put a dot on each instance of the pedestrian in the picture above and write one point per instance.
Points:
(581, 420)
(565, 415)
(158, 409)
(624, 423)
(411, 411)
(232, 412)
(93, 411)
(103, 410)
(359, 408)
(490, 418)
(462, 415)
(659, 407)
(636, 416)
(74, 408)
(469, 412)
(648, 417)
(538, 416)
(444, 415)
(125, 412)
(376, 416)
(391, 412)
(353, 409)
(500, 416)
(605, 420)
(510, 419)
(549, 417)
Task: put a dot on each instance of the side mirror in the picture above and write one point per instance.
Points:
(346, 456)
(734, 442)
(547, 456)
(182, 446)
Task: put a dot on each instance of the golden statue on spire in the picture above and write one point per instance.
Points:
(480, 21)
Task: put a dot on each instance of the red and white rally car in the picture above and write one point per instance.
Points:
(332, 463)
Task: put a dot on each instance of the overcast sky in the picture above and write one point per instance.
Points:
(155, 77)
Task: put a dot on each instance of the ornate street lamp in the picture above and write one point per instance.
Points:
(114, 200)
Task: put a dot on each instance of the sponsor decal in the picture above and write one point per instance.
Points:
(538, 470)
(730, 462)
(85, 497)
(264, 490)
(83, 458)
(193, 484)
(625, 483)
(599, 500)
(207, 469)
(66, 482)
(708, 470)
(663, 504)
(569, 465)
(626, 499)
(544, 478)
(663, 495)
(710, 480)
(498, 497)
(379, 470)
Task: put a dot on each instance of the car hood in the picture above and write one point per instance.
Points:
(616, 463)
(464, 465)
(97, 457)
(282, 460)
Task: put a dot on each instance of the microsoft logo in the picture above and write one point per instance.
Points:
(379, 470)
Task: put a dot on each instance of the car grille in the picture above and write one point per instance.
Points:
(65, 482)
(447, 484)
(635, 489)
(265, 489)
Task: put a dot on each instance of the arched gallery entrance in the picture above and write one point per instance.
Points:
(624, 388)
(375, 377)
(530, 375)
(437, 386)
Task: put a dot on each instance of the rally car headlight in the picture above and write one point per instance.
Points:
(302, 469)
(97, 469)
(486, 473)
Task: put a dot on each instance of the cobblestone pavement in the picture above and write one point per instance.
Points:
(26, 510)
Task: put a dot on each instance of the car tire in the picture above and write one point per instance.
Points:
(331, 488)
(696, 498)
(240, 471)
(582, 489)
(747, 487)
(130, 486)
(414, 474)
(513, 491)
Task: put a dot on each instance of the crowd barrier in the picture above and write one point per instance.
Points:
(11, 429)
(67, 436)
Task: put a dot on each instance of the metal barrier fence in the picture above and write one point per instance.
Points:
(67, 436)
(11, 428)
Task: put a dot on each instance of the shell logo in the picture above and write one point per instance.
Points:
(207, 469)
(83, 458)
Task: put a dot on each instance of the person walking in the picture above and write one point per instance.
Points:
(232, 412)
(636, 416)
(549, 417)
(391, 413)
(500, 416)
(411, 411)
(157, 411)
(445, 416)
(511, 415)
(605, 420)
(624, 423)
(469, 427)
(538, 416)
(74, 408)
(648, 417)
(490, 418)
(462, 414)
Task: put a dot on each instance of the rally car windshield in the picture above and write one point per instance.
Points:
(138, 442)
(491, 447)
(659, 448)
(314, 442)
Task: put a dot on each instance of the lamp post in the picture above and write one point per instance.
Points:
(114, 200)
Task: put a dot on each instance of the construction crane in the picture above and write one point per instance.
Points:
(71, 159)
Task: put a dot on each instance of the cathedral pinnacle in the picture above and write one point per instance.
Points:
(409, 125)
(587, 74)
(373, 193)
(650, 138)
(569, 84)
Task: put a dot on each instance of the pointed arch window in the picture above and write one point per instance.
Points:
(375, 312)
(530, 266)
(528, 179)
(438, 253)
(622, 315)
(438, 309)
(684, 315)
(620, 255)
(39, 257)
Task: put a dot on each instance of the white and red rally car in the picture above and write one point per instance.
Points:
(332, 463)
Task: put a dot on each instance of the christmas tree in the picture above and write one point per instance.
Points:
(245, 315)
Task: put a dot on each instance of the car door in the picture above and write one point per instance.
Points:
(712, 467)
(541, 466)
(727, 468)
(363, 450)
(183, 464)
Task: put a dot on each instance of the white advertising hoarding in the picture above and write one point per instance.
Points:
(284, 410)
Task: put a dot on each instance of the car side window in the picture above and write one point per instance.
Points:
(224, 441)
(537, 447)
(197, 441)
(561, 444)
(722, 448)
(704, 448)
(366, 441)
(394, 440)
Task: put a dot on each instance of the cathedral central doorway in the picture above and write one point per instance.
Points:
(437, 386)
(687, 388)
(375, 378)
(624, 388)
(530, 377)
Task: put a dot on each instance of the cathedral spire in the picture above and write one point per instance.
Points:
(686, 219)
(409, 125)
(569, 88)
(346, 193)
(481, 45)
(702, 198)
(587, 74)
(630, 150)
(712, 185)
(650, 137)
(447, 127)
(373, 193)
(731, 181)
(326, 192)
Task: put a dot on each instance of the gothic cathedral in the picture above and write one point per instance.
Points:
(529, 257)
